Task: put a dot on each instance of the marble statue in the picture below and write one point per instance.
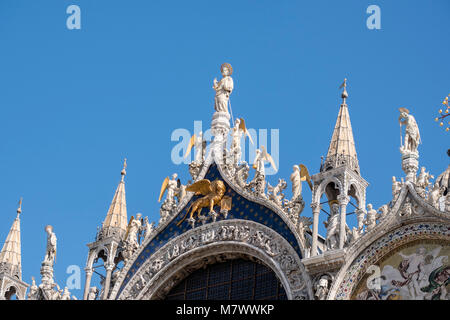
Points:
(93, 292)
(434, 195)
(332, 225)
(50, 254)
(396, 187)
(223, 88)
(236, 136)
(199, 148)
(134, 228)
(383, 211)
(371, 219)
(258, 182)
(66, 294)
(321, 289)
(148, 227)
(172, 188)
(276, 193)
(296, 182)
(360, 217)
(423, 181)
(32, 295)
(412, 134)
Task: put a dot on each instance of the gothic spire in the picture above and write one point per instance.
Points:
(116, 219)
(10, 256)
(342, 146)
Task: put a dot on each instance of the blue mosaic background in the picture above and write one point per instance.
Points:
(241, 209)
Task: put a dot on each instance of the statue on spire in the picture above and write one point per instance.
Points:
(412, 135)
(50, 254)
(223, 88)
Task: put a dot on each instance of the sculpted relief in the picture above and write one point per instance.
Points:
(272, 249)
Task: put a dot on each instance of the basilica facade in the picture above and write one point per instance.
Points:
(230, 235)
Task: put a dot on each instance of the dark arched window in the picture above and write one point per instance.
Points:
(237, 279)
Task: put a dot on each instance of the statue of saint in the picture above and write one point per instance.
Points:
(223, 88)
(148, 227)
(412, 135)
(134, 229)
(332, 226)
(236, 135)
(371, 219)
(50, 255)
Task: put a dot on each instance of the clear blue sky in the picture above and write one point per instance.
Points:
(76, 102)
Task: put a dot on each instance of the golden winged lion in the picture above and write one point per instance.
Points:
(213, 194)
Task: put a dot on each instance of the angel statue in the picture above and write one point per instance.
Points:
(200, 147)
(261, 157)
(50, 254)
(148, 227)
(259, 182)
(300, 173)
(134, 230)
(213, 194)
(412, 135)
(223, 88)
(236, 135)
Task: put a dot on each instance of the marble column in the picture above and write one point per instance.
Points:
(316, 211)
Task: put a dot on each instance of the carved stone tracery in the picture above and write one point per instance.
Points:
(194, 246)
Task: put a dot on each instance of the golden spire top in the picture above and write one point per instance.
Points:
(124, 170)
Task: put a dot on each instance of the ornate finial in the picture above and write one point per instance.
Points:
(19, 209)
(124, 171)
(344, 94)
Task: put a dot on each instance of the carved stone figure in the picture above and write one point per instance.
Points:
(134, 229)
(383, 211)
(259, 180)
(236, 136)
(321, 289)
(276, 193)
(423, 180)
(434, 195)
(396, 187)
(223, 88)
(169, 204)
(360, 217)
(332, 225)
(66, 294)
(148, 227)
(303, 225)
(32, 295)
(412, 135)
(50, 254)
(93, 293)
(199, 148)
(241, 175)
(371, 219)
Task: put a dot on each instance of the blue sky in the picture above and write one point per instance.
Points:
(76, 102)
